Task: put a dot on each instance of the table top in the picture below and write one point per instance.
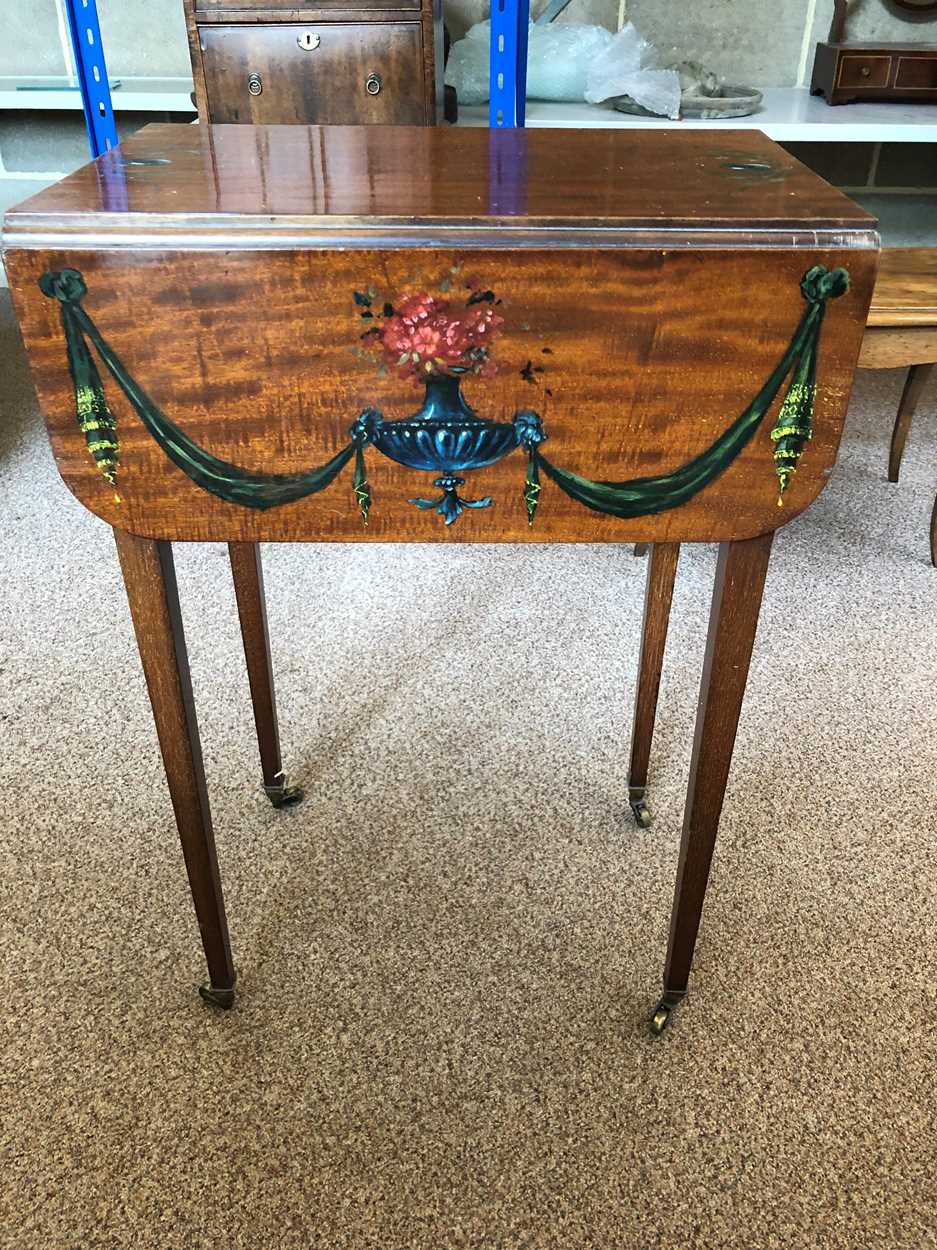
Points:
(245, 181)
(905, 288)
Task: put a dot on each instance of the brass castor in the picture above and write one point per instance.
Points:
(642, 813)
(662, 1013)
(217, 998)
(281, 794)
(639, 807)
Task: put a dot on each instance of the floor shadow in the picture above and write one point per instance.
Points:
(18, 410)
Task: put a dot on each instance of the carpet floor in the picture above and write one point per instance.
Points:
(449, 952)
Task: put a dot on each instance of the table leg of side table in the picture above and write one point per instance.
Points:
(150, 579)
(914, 385)
(740, 580)
(661, 572)
(247, 571)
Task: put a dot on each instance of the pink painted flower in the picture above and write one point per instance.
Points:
(428, 339)
(417, 308)
(424, 335)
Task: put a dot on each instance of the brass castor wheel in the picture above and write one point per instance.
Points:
(282, 795)
(662, 1013)
(217, 998)
(642, 813)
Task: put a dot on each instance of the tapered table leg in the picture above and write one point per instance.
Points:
(150, 579)
(252, 610)
(740, 579)
(913, 386)
(661, 572)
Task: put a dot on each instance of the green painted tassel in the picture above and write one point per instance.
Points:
(94, 417)
(361, 486)
(99, 427)
(793, 427)
(532, 487)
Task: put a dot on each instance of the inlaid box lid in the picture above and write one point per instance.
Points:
(193, 186)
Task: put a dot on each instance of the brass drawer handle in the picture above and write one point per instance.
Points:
(865, 71)
(255, 84)
(308, 41)
(372, 84)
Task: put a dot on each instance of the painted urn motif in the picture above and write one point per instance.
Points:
(431, 342)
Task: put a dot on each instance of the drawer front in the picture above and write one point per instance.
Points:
(209, 8)
(917, 73)
(318, 74)
(864, 71)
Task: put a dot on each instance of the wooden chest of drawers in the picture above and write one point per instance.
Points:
(284, 62)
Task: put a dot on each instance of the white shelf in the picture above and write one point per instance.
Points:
(788, 114)
(134, 95)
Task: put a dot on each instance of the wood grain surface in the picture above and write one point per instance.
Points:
(917, 379)
(172, 178)
(635, 360)
(286, 10)
(247, 574)
(150, 579)
(898, 346)
(733, 619)
(658, 596)
(905, 291)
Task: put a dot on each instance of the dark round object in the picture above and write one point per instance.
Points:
(920, 8)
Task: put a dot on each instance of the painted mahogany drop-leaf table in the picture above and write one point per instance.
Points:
(384, 334)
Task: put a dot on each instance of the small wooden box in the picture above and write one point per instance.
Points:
(331, 62)
(843, 72)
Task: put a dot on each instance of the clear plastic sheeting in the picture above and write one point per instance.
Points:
(626, 67)
(558, 60)
(571, 62)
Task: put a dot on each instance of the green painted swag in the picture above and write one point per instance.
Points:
(633, 498)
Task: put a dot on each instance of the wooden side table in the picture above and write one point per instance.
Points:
(902, 334)
(415, 335)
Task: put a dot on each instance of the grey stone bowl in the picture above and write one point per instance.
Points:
(734, 100)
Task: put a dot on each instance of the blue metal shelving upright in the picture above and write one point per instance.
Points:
(507, 91)
(92, 74)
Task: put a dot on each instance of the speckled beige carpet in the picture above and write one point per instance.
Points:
(448, 953)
